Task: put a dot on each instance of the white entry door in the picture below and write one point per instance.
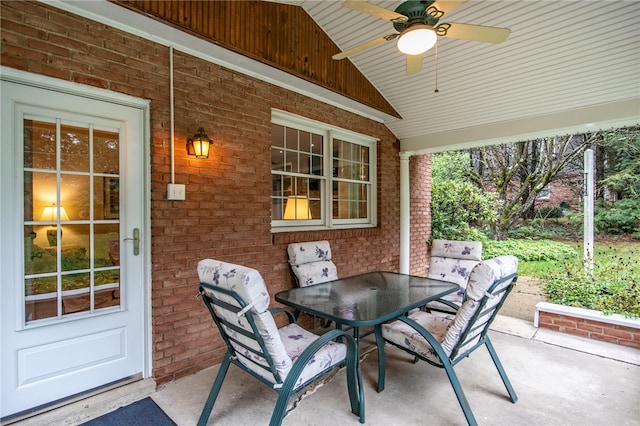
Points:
(72, 228)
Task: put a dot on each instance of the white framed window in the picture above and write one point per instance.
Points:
(322, 176)
(545, 193)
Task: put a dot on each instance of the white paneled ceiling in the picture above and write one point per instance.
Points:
(568, 66)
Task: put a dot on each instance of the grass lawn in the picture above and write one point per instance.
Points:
(614, 286)
(607, 255)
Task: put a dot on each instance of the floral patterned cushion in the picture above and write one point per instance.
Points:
(283, 345)
(405, 336)
(448, 329)
(247, 282)
(452, 261)
(488, 272)
(296, 339)
(250, 286)
(311, 262)
(482, 277)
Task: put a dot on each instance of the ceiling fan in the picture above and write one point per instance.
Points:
(417, 25)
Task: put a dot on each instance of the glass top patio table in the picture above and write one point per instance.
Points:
(366, 300)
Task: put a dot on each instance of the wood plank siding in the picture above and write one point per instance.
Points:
(280, 35)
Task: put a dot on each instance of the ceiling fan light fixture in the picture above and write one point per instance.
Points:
(417, 39)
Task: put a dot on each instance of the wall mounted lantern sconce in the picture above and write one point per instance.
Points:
(199, 145)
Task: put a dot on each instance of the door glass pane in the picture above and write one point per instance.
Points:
(106, 152)
(71, 219)
(76, 293)
(74, 148)
(74, 195)
(76, 247)
(39, 144)
(41, 298)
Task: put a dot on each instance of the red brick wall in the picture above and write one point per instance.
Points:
(226, 214)
(420, 227)
(592, 329)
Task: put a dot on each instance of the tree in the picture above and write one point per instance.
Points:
(457, 205)
(621, 163)
(518, 171)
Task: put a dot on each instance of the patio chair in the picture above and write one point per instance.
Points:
(452, 261)
(443, 341)
(311, 264)
(285, 359)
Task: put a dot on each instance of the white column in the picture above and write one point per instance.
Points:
(405, 213)
(588, 198)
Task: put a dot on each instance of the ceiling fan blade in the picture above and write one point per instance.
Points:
(364, 46)
(414, 64)
(371, 9)
(473, 32)
(444, 6)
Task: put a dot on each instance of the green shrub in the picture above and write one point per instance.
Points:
(529, 250)
(550, 212)
(621, 217)
(456, 207)
(613, 287)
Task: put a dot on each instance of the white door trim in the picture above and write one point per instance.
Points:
(35, 80)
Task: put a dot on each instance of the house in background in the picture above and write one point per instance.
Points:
(100, 240)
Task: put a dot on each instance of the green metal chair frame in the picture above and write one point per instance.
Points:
(287, 387)
(478, 325)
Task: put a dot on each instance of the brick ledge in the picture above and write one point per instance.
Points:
(588, 323)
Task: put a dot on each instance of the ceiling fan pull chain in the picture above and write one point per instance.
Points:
(436, 90)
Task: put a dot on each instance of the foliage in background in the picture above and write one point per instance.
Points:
(458, 207)
(451, 165)
(519, 171)
(621, 152)
(613, 288)
(621, 217)
(529, 250)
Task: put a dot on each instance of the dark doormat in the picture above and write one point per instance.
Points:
(144, 412)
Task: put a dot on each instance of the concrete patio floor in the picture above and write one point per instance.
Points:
(560, 380)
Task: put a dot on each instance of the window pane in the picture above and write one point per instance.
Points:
(107, 290)
(39, 193)
(107, 245)
(74, 148)
(291, 139)
(107, 198)
(76, 293)
(277, 136)
(350, 200)
(106, 150)
(41, 298)
(39, 144)
(277, 159)
(74, 196)
(316, 165)
(305, 142)
(304, 164)
(76, 250)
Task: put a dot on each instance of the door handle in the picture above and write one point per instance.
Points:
(136, 241)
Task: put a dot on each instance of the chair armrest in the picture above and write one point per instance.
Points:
(449, 303)
(290, 315)
(427, 336)
(306, 355)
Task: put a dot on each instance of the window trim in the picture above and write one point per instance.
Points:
(329, 133)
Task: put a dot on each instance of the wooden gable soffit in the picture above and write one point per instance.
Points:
(279, 35)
